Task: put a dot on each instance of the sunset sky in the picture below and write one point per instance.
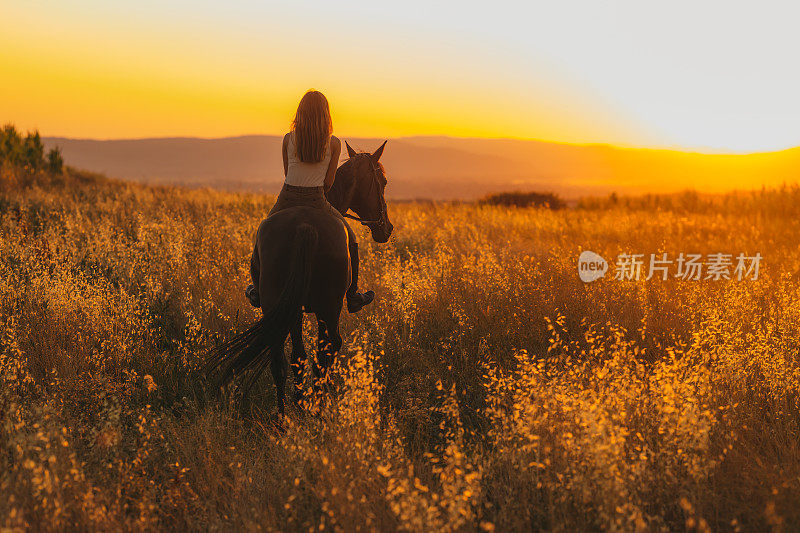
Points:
(718, 76)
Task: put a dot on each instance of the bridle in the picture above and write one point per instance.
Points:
(374, 182)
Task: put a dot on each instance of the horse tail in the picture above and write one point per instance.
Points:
(254, 348)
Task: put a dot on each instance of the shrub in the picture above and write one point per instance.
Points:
(524, 199)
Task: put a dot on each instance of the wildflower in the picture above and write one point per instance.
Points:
(149, 384)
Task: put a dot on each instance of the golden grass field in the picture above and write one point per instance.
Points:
(487, 388)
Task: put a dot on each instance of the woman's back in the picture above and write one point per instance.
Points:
(302, 174)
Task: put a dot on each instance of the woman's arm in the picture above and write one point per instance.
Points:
(285, 155)
(336, 149)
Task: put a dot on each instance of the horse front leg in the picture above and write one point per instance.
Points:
(298, 360)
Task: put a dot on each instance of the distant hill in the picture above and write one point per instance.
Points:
(440, 167)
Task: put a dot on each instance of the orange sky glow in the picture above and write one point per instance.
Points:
(123, 70)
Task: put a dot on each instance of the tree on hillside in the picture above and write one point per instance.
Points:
(28, 152)
(55, 163)
(33, 151)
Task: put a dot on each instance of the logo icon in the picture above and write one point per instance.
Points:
(591, 266)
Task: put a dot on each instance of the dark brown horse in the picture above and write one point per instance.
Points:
(304, 265)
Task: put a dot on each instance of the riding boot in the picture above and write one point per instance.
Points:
(355, 299)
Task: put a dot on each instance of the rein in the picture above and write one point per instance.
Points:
(358, 219)
(381, 213)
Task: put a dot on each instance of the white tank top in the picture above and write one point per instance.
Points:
(302, 174)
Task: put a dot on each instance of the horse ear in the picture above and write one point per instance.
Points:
(378, 152)
(350, 151)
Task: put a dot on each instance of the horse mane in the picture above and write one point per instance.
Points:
(364, 152)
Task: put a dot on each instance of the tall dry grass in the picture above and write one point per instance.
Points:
(486, 389)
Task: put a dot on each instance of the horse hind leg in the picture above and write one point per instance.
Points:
(278, 367)
(299, 357)
(329, 342)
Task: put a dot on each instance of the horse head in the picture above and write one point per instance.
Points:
(359, 185)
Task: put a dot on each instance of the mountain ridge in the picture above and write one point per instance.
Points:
(439, 167)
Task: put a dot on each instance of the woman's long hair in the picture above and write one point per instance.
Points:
(312, 127)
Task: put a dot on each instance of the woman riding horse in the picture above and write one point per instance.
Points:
(305, 257)
(310, 157)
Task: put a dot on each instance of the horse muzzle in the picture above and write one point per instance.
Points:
(381, 231)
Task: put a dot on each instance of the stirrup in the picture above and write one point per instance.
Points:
(252, 295)
(356, 302)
